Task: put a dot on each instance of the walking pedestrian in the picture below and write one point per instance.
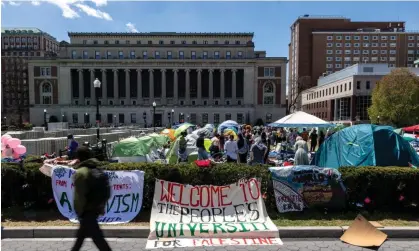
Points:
(313, 140)
(91, 192)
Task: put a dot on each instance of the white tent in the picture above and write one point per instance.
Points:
(301, 119)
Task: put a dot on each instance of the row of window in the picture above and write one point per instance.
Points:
(356, 59)
(12, 40)
(367, 38)
(347, 52)
(337, 89)
(21, 53)
(112, 118)
(161, 42)
(181, 102)
(412, 45)
(364, 45)
(156, 55)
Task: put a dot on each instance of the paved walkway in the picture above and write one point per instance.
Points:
(139, 244)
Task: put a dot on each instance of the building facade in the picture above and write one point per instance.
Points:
(323, 45)
(345, 96)
(18, 45)
(201, 77)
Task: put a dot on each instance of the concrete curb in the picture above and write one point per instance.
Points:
(143, 232)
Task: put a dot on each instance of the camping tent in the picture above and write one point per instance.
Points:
(300, 119)
(139, 149)
(413, 129)
(365, 145)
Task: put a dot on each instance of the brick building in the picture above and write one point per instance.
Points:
(323, 45)
(345, 96)
(18, 45)
(202, 77)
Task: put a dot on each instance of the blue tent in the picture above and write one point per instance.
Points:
(365, 145)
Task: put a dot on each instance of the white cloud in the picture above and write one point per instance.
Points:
(14, 3)
(36, 3)
(131, 27)
(100, 2)
(93, 12)
(65, 7)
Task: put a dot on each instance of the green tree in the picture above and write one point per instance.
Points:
(395, 99)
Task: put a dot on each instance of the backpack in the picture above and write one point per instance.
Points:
(99, 188)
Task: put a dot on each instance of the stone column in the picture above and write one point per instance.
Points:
(211, 85)
(127, 88)
(139, 87)
(234, 85)
(199, 86)
(104, 88)
(163, 86)
(115, 86)
(151, 86)
(188, 87)
(222, 94)
(81, 87)
(92, 87)
(176, 89)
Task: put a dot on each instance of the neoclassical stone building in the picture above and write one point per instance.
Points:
(195, 77)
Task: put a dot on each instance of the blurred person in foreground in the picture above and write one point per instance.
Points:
(91, 192)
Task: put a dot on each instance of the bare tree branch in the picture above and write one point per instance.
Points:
(299, 86)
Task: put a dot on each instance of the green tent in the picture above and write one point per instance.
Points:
(142, 146)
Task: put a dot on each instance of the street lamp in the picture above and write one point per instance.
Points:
(169, 115)
(5, 120)
(378, 119)
(45, 120)
(97, 84)
(173, 115)
(181, 117)
(154, 116)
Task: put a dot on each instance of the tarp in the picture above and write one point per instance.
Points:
(414, 128)
(142, 146)
(301, 119)
(227, 124)
(365, 145)
(182, 128)
(170, 133)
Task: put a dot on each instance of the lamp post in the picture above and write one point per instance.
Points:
(62, 117)
(169, 116)
(45, 120)
(173, 115)
(5, 120)
(378, 119)
(181, 117)
(97, 84)
(114, 120)
(85, 119)
(154, 116)
(145, 119)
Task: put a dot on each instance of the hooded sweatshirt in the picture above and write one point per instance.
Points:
(258, 150)
(81, 188)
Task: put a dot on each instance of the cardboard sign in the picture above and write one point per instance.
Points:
(363, 234)
(194, 216)
(125, 201)
(299, 187)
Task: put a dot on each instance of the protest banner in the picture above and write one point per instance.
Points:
(125, 201)
(193, 216)
(299, 187)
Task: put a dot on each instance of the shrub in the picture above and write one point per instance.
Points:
(23, 186)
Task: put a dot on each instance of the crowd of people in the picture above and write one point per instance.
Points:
(252, 146)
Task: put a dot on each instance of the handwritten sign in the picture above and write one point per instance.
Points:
(125, 201)
(193, 216)
(299, 187)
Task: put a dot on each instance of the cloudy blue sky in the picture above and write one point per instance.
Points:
(270, 21)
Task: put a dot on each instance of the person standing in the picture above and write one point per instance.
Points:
(231, 149)
(258, 152)
(301, 155)
(182, 153)
(313, 140)
(243, 148)
(72, 146)
(200, 144)
(321, 138)
(91, 192)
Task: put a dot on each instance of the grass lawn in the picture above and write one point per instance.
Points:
(18, 218)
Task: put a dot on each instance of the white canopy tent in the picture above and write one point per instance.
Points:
(301, 119)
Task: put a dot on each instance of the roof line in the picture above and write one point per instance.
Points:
(161, 33)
